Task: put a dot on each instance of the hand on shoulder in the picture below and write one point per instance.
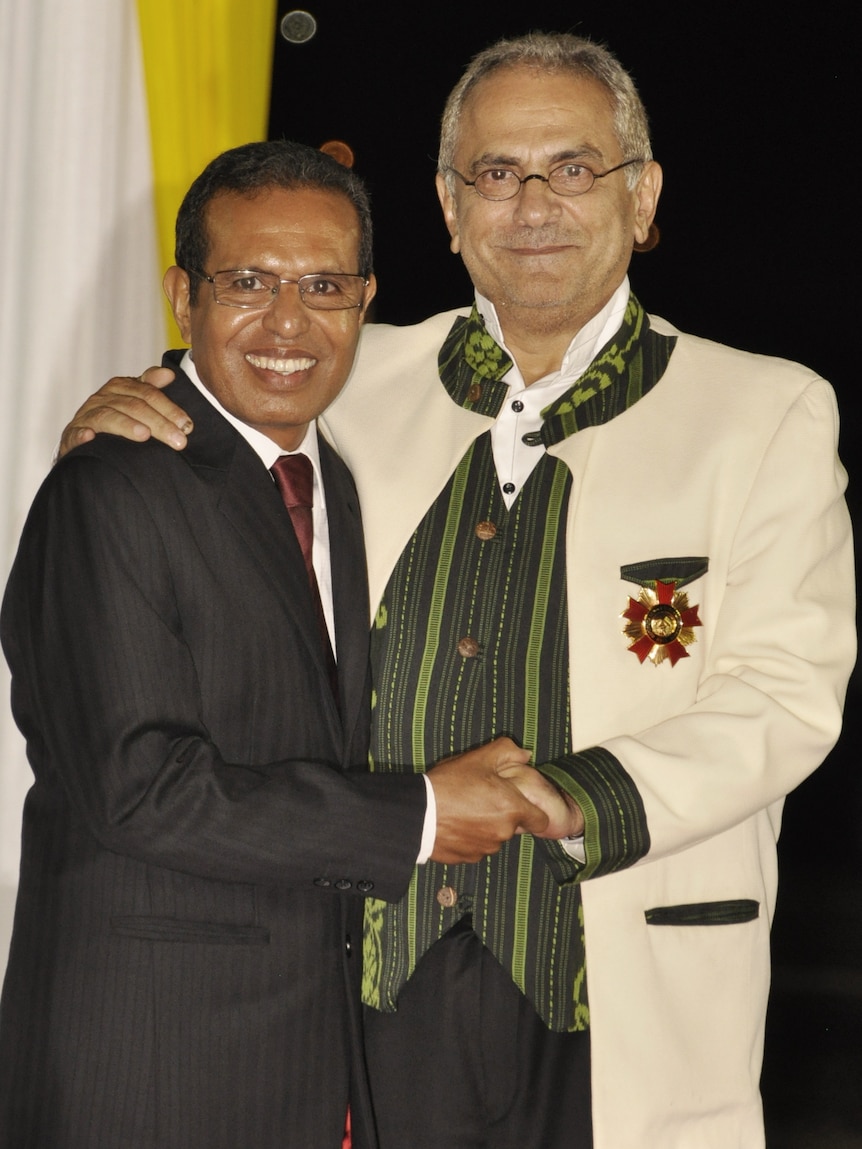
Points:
(131, 408)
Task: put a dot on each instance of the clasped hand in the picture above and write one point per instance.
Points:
(487, 795)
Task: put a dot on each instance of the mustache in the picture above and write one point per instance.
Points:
(526, 237)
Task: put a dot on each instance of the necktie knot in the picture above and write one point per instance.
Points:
(294, 477)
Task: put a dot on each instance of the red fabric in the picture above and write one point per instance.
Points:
(294, 477)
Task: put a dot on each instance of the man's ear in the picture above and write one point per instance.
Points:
(176, 284)
(370, 292)
(450, 214)
(647, 192)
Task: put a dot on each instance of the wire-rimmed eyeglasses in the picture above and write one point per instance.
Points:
(320, 290)
(566, 179)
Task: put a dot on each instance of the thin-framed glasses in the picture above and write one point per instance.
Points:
(320, 290)
(565, 179)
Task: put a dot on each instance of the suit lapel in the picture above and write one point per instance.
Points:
(249, 500)
(349, 584)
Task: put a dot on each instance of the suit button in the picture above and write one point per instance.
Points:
(468, 647)
(447, 896)
(365, 886)
(348, 945)
(324, 883)
(485, 530)
(343, 884)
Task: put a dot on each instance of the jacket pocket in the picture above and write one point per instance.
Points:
(724, 913)
(156, 929)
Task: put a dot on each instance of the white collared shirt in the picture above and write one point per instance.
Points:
(268, 451)
(513, 458)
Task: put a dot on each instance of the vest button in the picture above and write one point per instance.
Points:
(485, 530)
(475, 392)
(447, 896)
(468, 647)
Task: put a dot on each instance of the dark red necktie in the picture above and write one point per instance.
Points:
(294, 477)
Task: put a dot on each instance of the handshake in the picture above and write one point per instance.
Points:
(486, 796)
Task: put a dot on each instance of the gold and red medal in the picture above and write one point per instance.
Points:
(660, 623)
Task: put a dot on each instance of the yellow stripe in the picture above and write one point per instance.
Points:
(208, 69)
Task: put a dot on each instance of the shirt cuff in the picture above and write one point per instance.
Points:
(429, 829)
(574, 847)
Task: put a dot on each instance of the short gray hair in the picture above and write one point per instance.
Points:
(554, 52)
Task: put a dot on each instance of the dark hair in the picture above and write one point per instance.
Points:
(259, 167)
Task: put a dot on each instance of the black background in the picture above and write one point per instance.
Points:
(754, 120)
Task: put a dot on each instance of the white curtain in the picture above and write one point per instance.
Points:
(79, 278)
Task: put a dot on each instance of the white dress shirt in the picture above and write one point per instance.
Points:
(513, 458)
(269, 451)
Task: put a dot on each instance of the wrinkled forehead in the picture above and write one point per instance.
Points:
(303, 213)
(517, 102)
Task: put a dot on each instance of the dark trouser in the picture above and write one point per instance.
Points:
(466, 1063)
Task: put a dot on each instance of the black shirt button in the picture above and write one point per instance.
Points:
(508, 488)
(517, 406)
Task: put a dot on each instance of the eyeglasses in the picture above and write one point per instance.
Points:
(565, 179)
(321, 290)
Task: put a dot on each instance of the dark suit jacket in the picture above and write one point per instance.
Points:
(196, 845)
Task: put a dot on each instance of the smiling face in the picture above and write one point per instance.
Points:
(548, 262)
(279, 368)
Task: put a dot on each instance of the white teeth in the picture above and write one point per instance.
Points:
(282, 366)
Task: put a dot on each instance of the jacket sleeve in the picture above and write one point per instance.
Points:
(769, 697)
(107, 688)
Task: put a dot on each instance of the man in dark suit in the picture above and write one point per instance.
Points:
(198, 841)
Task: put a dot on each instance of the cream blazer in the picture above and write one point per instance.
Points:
(731, 457)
